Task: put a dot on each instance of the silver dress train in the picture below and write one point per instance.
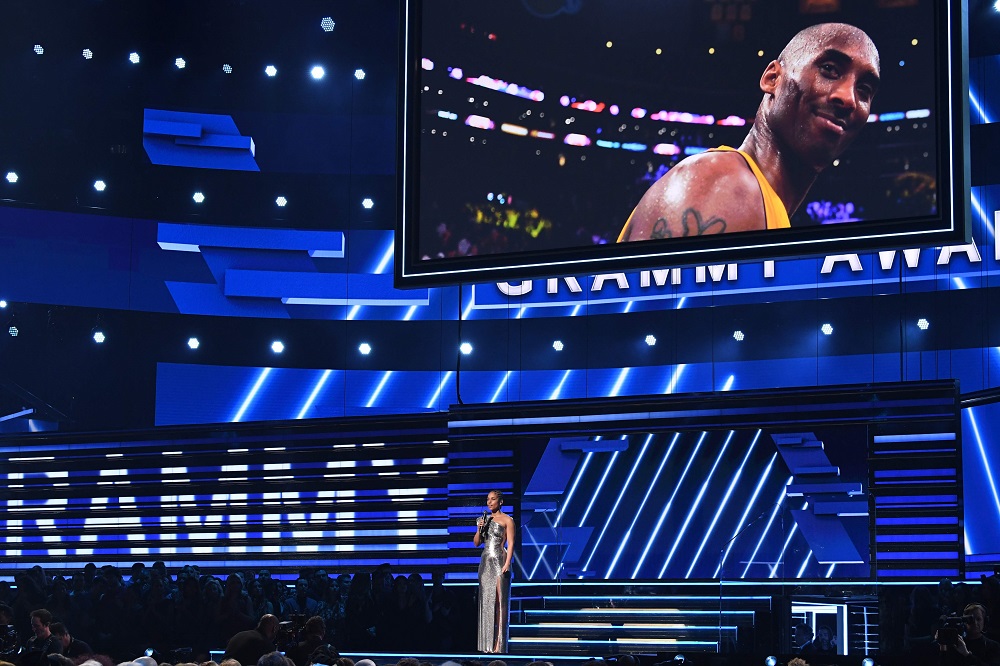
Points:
(493, 617)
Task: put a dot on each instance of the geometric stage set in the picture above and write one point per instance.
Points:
(699, 526)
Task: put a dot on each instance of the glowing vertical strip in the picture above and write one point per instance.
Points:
(250, 396)
(315, 392)
(576, 310)
(628, 307)
(496, 394)
(676, 377)
(978, 107)
(649, 490)
(829, 572)
(594, 495)
(409, 313)
(437, 393)
(696, 504)
(784, 547)
(802, 569)
(666, 508)
(959, 283)
(521, 311)
(986, 462)
(618, 383)
(746, 512)
(558, 389)
(767, 528)
(729, 383)
(722, 505)
(353, 313)
(378, 389)
(384, 262)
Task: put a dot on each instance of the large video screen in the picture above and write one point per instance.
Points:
(547, 137)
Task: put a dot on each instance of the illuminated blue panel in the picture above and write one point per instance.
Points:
(196, 140)
(191, 237)
(314, 288)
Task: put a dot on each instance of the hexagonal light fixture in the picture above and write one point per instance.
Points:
(281, 201)
(650, 340)
(88, 54)
(13, 331)
(134, 57)
(367, 203)
(365, 348)
(738, 336)
(199, 197)
(557, 345)
(277, 346)
(193, 343)
(180, 63)
(227, 68)
(923, 324)
(271, 70)
(465, 348)
(317, 72)
(39, 49)
(100, 185)
(99, 336)
(327, 24)
(359, 74)
(827, 329)
(11, 177)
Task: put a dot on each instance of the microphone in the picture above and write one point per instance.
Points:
(482, 529)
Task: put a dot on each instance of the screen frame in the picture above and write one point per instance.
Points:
(950, 225)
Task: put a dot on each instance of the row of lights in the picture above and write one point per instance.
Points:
(199, 197)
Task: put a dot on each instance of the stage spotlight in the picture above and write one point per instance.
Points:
(867, 661)
(193, 343)
(3, 304)
(557, 345)
(317, 72)
(271, 70)
(180, 63)
(98, 336)
(277, 346)
(39, 49)
(359, 74)
(679, 659)
(650, 340)
(770, 661)
(465, 348)
(198, 197)
(281, 201)
(133, 58)
(367, 203)
(327, 24)
(923, 324)
(227, 68)
(996, 5)
(827, 329)
(13, 331)
(11, 177)
(738, 336)
(88, 54)
(100, 185)
(365, 348)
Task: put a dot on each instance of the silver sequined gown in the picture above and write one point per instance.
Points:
(490, 565)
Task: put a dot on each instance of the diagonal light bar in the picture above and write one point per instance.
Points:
(621, 494)
(804, 563)
(983, 217)
(729, 383)
(409, 313)
(384, 262)
(437, 393)
(666, 508)
(353, 312)
(674, 378)
(649, 491)
(784, 547)
(986, 463)
(696, 503)
(378, 389)
(496, 394)
(979, 108)
(597, 492)
(829, 572)
(555, 393)
(314, 394)
(572, 488)
(767, 528)
(740, 524)
(250, 396)
(618, 382)
(725, 501)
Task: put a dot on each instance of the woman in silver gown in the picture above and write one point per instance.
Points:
(494, 528)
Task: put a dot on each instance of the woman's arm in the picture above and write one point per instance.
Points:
(510, 545)
(476, 539)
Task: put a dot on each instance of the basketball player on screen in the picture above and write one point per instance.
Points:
(817, 97)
